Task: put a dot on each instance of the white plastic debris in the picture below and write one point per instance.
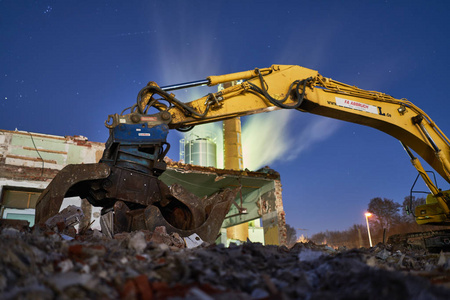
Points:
(442, 259)
(137, 242)
(124, 260)
(65, 265)
(400, 261)
(193, 241)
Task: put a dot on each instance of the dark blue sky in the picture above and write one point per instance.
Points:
(66, 65)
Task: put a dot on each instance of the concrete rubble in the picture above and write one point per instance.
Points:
(43, 264)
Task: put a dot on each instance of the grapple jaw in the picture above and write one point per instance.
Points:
(136, 201)
(186, 214)
(50, 201)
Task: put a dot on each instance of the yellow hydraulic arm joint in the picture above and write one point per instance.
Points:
(279, 82)
(418, 121)
(417, 164)
(437, 209)
(214, 80)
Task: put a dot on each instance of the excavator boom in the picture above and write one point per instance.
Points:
(295, 87)
(323, 96)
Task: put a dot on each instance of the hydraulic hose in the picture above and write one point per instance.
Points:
(188, 111)
(296, 85)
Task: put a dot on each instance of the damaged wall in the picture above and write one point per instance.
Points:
(261, 194)
(273, 217)
(29, 161)
(46, 151)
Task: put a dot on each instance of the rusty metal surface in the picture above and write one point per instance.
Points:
(51, 199)
(178, 215)
(138, 201)
(131, 186)
(194, 203)
(209, 229)
(121, 219)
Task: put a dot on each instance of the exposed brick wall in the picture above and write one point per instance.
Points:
(26, 173)
(281, 215)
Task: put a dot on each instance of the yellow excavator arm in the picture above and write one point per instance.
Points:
(295, 87)
(125, 182)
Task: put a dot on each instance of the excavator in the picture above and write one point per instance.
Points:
(125, 182)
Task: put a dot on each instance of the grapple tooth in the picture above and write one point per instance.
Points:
(121, 219)
(209, 229)
(51, 199)
(195, 205)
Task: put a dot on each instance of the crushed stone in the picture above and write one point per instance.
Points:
(41, 264)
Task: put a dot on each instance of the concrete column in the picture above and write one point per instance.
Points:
(274, 221)
(232, 144)
(233, 160)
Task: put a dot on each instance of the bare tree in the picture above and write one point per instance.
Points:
(319, 238)
(386, 213)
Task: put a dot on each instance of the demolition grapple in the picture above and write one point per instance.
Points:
(125, 182)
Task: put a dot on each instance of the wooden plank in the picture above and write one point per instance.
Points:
(31, 158)
(45, 150)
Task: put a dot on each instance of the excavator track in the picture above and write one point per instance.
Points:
(434, 241)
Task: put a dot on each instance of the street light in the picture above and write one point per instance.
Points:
(368, 214)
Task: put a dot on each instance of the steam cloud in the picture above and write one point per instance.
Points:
(267, 138)
(271, 137)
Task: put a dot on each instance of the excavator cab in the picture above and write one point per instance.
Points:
(431, 212)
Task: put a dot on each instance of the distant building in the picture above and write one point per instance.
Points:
(199, 149)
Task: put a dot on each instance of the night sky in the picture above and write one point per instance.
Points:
(66, 65)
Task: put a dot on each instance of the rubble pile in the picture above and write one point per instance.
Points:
(45, 264)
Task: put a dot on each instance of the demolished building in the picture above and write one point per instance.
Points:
(29, 161)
